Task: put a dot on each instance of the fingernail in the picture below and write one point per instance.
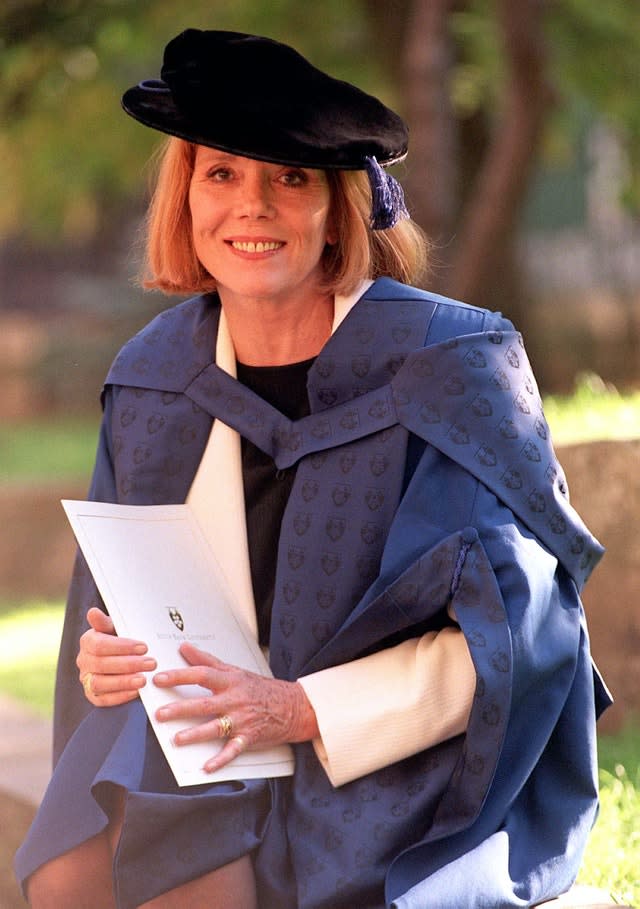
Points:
(161, 678)
(139, 649)
(149, 663)
(139, 681)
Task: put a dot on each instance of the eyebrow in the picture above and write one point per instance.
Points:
(215, 153)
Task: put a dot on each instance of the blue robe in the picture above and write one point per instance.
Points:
(425, 479)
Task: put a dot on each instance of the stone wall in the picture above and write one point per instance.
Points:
(604, 482)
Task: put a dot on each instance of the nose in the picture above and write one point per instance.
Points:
(256, 194)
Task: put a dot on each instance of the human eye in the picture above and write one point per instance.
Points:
(219, 173)
(294, 176)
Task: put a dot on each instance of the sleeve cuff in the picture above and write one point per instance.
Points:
(387, 706)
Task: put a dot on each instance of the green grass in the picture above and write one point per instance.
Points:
(36, 451)
(29, 641)
(612, 857)
(593, 411)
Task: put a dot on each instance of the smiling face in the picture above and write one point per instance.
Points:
(259, 229)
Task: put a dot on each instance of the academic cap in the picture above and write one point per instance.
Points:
(259, 98)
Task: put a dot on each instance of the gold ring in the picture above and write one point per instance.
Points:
(226, 726)
(86, 684)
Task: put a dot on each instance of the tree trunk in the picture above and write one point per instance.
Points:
(491, 215)
(427, 59)
(473, 226)
(387, 21)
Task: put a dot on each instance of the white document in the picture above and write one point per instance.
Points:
(162, 584)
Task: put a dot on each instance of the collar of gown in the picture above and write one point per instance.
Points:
(219, 507)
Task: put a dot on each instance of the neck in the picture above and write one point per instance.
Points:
(265, 334)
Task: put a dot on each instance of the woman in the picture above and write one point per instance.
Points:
(404, 546)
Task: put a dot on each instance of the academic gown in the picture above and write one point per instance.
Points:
(426, 486)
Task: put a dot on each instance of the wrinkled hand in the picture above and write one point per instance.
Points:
(263, 711)
(111, 667)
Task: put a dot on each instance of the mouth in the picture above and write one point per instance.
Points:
(257, 246)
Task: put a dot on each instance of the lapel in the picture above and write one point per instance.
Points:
(337, 518)
(350, 395)
(219, 506)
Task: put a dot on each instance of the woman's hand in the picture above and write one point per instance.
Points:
(262, 712)
(111, 667)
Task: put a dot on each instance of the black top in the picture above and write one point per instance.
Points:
(266, 489)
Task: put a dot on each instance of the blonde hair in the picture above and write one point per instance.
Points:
(172, 265)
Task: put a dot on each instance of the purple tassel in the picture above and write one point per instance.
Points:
(387, 206)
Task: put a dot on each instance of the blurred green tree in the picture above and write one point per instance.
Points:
(70, 159)
(490, 89)
(486, 85)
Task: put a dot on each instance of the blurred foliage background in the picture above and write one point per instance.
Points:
(524, 168)
(71, 161)
(524, 165)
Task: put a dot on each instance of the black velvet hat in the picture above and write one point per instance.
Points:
(258, 98)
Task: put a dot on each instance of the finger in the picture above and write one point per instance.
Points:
(115, 666)
(196, 657)
(219, 728)
(100, 686)
(233, 748)
(190, 708)
(102, 624)
(100, 621)
(202, 732)
(101, 644)
(113, 699)
(191, 675)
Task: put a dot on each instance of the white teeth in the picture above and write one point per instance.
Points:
(258, 247)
